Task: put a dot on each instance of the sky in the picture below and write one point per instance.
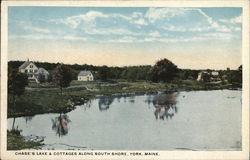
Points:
(192, 38)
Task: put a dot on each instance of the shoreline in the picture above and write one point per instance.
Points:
(77, 96)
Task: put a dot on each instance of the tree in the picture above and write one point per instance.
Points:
(41, 78)
(16, 85)
(62, 76)
(164, 70)
(206, 77)
(103, 73)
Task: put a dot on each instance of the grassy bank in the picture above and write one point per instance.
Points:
(51, 101)
(15, 141)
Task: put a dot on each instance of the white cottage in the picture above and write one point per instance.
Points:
(33, 71)
(213, 76)
(29, 68)
(85, 76)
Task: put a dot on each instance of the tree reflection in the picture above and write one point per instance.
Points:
(28, 118)
(60, 124)
(165, 105)
(132, 99)
(105, 102)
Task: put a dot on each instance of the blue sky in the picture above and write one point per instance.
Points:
(196, 38)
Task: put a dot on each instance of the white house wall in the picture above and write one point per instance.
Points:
(85, 78)
(32, 69)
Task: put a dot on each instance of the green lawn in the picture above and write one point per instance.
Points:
(76, 82)
(33, 84)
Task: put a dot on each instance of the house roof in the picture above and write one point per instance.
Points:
(84, 73)
(25, 64)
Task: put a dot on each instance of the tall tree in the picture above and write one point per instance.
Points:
(164, 70)
(104, 73)
(62, 76)
(16, 85)
(41, 78)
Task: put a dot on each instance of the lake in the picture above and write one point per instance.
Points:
(195, 120)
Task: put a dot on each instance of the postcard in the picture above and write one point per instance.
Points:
(125, 80)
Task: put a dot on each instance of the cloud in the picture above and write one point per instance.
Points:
(46, 37)
(125, 39)
(36, 29)
(167, 39)
(108, 31)
(235, 20)
(28, 26)
(154, 34)
(223, 36)
(154, 14)
(212, 23)
(75, 21)
(174, 28)
(120, 24)
(166, 25)
(140, 21)
(90, 18)
(203, 24)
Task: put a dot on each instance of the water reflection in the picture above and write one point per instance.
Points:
(28, 119)
(87, 104)
(165, 105)
(105, 102)
(60, 125)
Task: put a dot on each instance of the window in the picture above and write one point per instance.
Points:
(31, 66)
(26, 70)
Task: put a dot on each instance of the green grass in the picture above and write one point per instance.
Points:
(33, 84)
(15, 141)
(36, 102)
(76, 82)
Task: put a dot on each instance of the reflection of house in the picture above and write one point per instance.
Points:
(33, 71)
(165, 105)
(85, 76)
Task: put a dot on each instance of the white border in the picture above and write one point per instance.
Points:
(228, 155)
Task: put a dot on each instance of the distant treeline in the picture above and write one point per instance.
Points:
(130, 73)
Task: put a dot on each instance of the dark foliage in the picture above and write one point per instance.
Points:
(16, 82)
(164, 70)
(62, 76)
(41, 78)
(104, 73)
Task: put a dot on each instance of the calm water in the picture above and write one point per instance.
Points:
(197, 120)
